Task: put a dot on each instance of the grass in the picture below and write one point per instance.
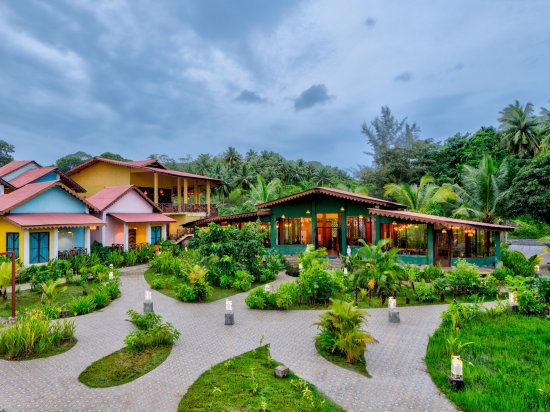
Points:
(27, 299)
(510, 364)
(247, 383)
(359, 367)
(172, 283)
(63, 347)
(123, 366)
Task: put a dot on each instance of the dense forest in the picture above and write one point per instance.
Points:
(493, 174)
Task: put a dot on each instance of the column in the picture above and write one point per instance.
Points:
(103, 228)
(196, 193)
(163, 232)
(273, 230)
(87, 240)
(26, 247)
(208, 198)
(179, 194)
(125, 228)
(497, 248)
(185, 190)
(55, 247)
(430, 243)
(156, 188)
(314, 224)
(377, 225)
(148, 233)
(343, 230)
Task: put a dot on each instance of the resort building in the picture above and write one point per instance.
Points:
(337, 220)
(184, 197)
(46, 220)
(131, 218)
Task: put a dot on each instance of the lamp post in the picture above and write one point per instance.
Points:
(12, 253)
(456, 380)
(229, 315)
(148, 304)
(393, 315)
(512, 300)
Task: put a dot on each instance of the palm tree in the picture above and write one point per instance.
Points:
(545, 130)
(423, 197)
(323, 176)
(232, 158)
(263, 192)
(50, 290)
(242, 176)
(520, 129)
(481, 190)
(203, 164)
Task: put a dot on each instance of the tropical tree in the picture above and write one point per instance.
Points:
(51, 289)
(421, 198)
(519, 129)
(5, 278)
(263, 192)
(376, 268)
(6, 152)
(482, 190)
(231, 157)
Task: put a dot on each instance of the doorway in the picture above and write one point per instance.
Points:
(442, 248)
(132, 236)
(328, 233)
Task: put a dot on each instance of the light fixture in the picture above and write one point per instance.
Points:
(267, 288)
(392, 303)
(342, 209)
(394, 222)
(69, 232)
(229, 315)
(93, 227)
(308, 212)
(111, 276)
(148, 304)
(348, 250)
(416, 226)
(283, 217)
(161, 191)
(456, 367)
(145, 192)
(443, 230)
(360, 216)
(346, 271)
(512, 299)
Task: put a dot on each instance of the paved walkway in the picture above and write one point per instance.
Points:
(399, 382)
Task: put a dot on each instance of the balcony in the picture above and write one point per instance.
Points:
(188, 208)
(181, 232)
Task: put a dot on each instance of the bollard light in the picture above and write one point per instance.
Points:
(111, 275)
(348, 251)
(267, 288)
(537, 269)
(111, 266)
(148, 304)
(346, 271)
(229, 306)
(456, 367)
(392, 303)
(148, 296)
(229, 315)
(300, 266)
(512, 298)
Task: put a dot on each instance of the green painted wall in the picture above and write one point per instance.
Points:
(484, 261)
(290, 249)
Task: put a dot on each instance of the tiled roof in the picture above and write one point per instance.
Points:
(448, 221)
(27, 192)
(46, 220)
(140, 164)
(142, 217)
(13, 166)
(249, 216)
(31, 175)
(106, 197)
(335, 193)
(6, 184)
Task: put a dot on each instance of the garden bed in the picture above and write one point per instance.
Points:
(123, 366)
(247, 383)
(509, 368)
(360, 366)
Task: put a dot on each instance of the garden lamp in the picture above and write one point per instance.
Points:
(346, 271)
(111, 275)
(300, 266)
(267, 288)
(148, 304)
(456, 367)
(512, 298)
(229, 305)
(348, 251)
(392, 303)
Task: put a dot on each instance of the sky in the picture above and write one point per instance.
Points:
(297, 77)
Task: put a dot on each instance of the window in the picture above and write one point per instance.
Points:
(358, 228)
(12, 243)
(411, 239)
(294, 231)
(156, 233)
(470, 243)
(39, 247)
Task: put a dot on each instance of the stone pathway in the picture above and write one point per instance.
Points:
(399, 383)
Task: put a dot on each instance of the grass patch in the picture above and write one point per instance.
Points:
(247, 383)
(63, 347)
(28, 299)
(123, 366)
(359, 367)
(171, 283)
(511, 369)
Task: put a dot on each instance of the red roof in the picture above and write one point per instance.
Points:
(142, 217)
(106, 197)
(30, 191)
(31, 175)
(6, 184)
(238, 217)
(14, 165)
(335, 193)
(446, 221)
(47, 220)
(142, 165)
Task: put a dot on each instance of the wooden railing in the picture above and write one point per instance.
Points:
(77, 251)
(181, 232)
(189, 207)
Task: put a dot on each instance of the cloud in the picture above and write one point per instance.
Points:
(247, 96)
(403, 77)
(370, 22)
(458, 67)
(315, 95)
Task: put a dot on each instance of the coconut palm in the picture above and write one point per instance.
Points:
(423, 197)
(231, 157)
(481, 190)
(519, 129)
(263, 192)
(51, 289)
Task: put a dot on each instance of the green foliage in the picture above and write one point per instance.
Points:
(530, 228)
(316, 284)
(421, 198)
(502, 273)
(287, 294)
(243, 280)
(167, 264)
(100, 299)
(72, 160)
(464, 279)
(341, 331)
(519, 129)
(489, 285)
(425, 293)
(517, 263)
(529, 303)
(432, 272)
(258, 298)
(152, 332)
(34, 334)
(51, 289)
(81, 306)
(6, 152)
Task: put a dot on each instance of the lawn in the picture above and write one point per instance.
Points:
(247, 383)
(510, 364)
(172, 282)
(28, 299)
(359, 367)
(123, 366)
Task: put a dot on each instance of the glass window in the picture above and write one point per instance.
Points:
(156, 233)
(411, 238)
(294, 231)
(358, 228)
(39, 247)
(470, 243)
(12, 243)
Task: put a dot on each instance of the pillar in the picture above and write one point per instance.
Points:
(377, 226)
(26, 247)
(196, 193)
(103, 228)
(125, 229)
(55, 247)
(163, 232)
(156, 188)
(208, 198)
(343, 230)
(185, 190)
(314, 224)
(430, 243)
(148, 233)
(497, 248)
(179, 194)
(87, 240)
(273, 230)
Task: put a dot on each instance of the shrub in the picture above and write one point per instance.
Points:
(186, 293)
(152, 332)
(502, 273)
(81, 306)
(131, 258)
(144, 321)
(292, 270)
(260, 299)
(316, 284)
(100, 299)
(457, 314)
(432, 272)
(314, 258)
(425, 293)
(112, 289)
(274, 262)
(243, 280)
(156, 283)
(529, 303)
(341, 331)
(267, 275)
(286, 295)
(32, 334)
(489, 285)
(464, 278)
(518, 263)
(167, 264)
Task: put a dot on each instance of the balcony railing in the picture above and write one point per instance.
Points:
(190, 207)
(181, 232)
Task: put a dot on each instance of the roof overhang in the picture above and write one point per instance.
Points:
(239, 217)
(53, 220)
(444, 221)
(142, 217)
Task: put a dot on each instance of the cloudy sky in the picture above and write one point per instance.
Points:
(298, 77)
